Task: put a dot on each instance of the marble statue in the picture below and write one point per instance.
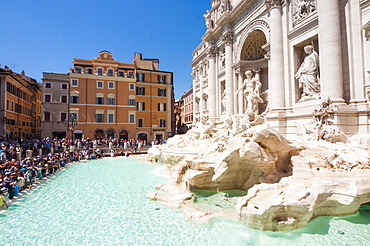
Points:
(251, 90)
(223, 102)
(225, 6)
(208, 18)
(307, 73)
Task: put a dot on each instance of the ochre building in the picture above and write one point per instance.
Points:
(20, 107)
(111, 99)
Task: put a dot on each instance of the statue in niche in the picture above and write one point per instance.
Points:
(208, 18)
(251, 90)
(222, 59)
(225, 6)
(223, 102)
(308, 74)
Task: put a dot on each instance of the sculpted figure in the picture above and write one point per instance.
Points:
(307, 73)
(223, 102)
(225, 6)
(251, 90)
(207, 17)
(303, 8)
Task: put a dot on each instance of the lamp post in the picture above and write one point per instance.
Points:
(72, 124)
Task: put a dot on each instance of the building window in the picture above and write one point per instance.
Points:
(161, 79)
(140, 91)
(131, 102)
(47, 98)
(89, 70)
(121, 73)
(162, 123)
(132, 87)
(130, 74)
(110, 118)
(64, 86)
(74, 99)
(100, 84)
(63, 116)
(140, 77)
(110, 85)
(140, 106)
(47, 85)
(132, 118)
(74, 82)
(72, 116)
(111, 101)
(100, 71)
(63, 99)
(99, 118)
(99, 100)
(47, 116)
(161, 106)
(110, 72)
(161, 92)
(78, 70)
(140, 122)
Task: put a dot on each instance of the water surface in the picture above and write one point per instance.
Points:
(102, 202)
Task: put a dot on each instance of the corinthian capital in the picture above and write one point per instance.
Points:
(212, 52)
(274, 3)
(227, 38)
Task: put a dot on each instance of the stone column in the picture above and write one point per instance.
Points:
(228, 39)
(357, 74)
(212, 84)
(330, 50)
(240, 94)
(276, 71)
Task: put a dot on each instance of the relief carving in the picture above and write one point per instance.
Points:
(302, 8)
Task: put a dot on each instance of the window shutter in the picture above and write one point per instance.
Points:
(159, 106)
(164, 92)
(164, 107)
(143, 106)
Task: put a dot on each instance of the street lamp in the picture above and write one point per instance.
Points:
(72, 124)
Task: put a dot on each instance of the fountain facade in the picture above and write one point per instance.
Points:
(281, 58)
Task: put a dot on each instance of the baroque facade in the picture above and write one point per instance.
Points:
(280, 58)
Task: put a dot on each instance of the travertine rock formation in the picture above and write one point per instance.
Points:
(288, 184)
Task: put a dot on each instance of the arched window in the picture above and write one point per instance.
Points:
(252, 49)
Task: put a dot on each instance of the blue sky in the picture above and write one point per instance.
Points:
(44, 36)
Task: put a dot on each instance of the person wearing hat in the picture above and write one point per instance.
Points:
(2, 200)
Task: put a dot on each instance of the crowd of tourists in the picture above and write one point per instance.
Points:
(24, 163)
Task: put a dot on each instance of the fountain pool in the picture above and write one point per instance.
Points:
(103, 202)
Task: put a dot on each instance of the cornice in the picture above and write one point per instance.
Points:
(366, 28)
(364, 4)
(304, 27)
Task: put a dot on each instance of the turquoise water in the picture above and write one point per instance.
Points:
(102, 202)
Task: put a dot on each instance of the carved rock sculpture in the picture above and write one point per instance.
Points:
(288, 183)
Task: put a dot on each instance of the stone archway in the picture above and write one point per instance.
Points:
(111, 133)
(123, 134)
(99, 133)
(253, 46)
(252, 56)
